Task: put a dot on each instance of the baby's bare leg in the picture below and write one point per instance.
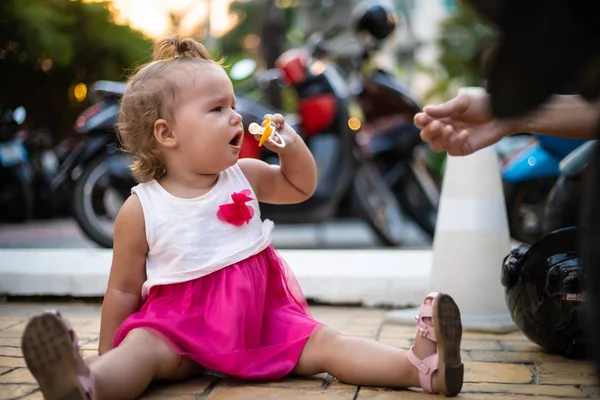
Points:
(360, 361)
(127, 370)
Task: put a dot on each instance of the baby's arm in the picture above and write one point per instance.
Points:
(293, 181)
(127, 273)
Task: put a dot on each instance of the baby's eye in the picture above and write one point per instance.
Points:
(217, 109)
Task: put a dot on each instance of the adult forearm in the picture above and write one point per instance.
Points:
(117, 306)
(565, 116)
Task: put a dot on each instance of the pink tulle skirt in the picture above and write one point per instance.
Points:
(249, 320)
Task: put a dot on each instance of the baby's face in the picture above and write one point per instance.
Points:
(208, 130)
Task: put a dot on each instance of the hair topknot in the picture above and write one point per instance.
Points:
(176, 47)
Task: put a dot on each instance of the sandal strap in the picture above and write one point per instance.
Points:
(426, 329)
(426, 368)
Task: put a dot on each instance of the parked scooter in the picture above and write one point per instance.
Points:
(528, 177)
(16, 196)
(562, 207)
(95, 171)
(390, 150)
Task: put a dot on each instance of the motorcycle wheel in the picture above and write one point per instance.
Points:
(525, 202)
(376, 203)
(95, 202)
(419, 195)
(562, 207)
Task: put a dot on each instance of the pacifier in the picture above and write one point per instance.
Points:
(268, 132)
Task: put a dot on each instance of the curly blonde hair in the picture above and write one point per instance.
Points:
(151, 94)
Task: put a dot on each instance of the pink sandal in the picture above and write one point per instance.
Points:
(51, 352)
(443, 326)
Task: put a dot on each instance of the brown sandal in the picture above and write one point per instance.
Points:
(445, 328)
(51, 352)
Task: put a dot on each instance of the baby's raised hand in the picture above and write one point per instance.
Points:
(282, 130)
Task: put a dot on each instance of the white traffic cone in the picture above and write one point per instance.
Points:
(471, 240)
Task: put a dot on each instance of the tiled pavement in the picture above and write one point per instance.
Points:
(497, 366)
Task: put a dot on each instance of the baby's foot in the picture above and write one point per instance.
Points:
(51, 354)
(436, 352)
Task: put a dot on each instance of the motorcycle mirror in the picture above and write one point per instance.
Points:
(19, 115)
(242, 69)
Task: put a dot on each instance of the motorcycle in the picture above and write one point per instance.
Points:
(16, 175)
(562, 207)
(389, 142)
(95, 170)
(528, 176)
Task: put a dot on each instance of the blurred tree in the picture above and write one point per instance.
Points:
(464, 43)
(48, 46)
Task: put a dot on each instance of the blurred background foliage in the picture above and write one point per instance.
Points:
(48, 46)
(464, 43)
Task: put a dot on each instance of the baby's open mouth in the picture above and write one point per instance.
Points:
(236, 140)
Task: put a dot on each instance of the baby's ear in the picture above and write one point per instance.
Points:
(163, 133)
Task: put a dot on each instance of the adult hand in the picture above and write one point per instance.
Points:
(462, 125)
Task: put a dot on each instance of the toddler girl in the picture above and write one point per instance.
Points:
(195, 284)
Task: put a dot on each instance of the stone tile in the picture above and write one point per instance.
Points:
(88, 353)
(37, 395)
(390, 394)
(12, 391)
(401, 343)
(365, 333)
(10, 334)
(464, 356)
(559, 373)
(497, 372)
(18, 327)
(514, 389)
(592, 391)
(520, 346)
(382, 394)
(19, 375)
(398, 332)
(488, 396)
(7, 322)
(467, 335)
(11, 351)
(276, 393)
(513, 357)
(513, 336)
(12, 342)
(11, 362)
(91, 345)
(479, 345)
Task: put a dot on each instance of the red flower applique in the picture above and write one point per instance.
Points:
(237, 213)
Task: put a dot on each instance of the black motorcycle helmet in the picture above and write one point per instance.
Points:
(545, 293)
(375, 18)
